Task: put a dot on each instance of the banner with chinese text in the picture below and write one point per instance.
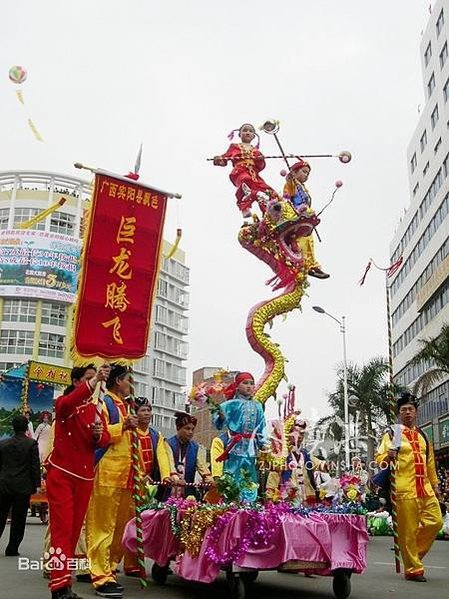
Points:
(119, 270)
(49, 373)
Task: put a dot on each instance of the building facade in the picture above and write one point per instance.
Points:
(36, 305)
(420, 290)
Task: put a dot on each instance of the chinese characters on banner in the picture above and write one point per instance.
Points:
(119, 270)
(48, 373)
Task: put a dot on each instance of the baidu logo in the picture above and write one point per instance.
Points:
(53, 559)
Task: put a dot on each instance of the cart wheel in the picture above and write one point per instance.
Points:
(159, 573)
(236, 587)
(249, 577)
(342, 584)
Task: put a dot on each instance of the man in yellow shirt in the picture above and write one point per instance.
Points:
(111, 504)
(418, 511)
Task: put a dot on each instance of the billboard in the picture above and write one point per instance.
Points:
(39, 264)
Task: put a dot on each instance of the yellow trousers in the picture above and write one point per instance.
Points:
(307, 247)
(419, 521)
(110, 508)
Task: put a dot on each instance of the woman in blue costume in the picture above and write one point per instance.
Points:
(244, 418)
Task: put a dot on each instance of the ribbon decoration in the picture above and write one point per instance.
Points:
(41, 215)
(174, 247)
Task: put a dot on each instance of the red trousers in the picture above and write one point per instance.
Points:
(68, 498)
(255, 183)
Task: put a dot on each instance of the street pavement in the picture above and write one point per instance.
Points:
(378, 582)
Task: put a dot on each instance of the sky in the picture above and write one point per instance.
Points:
(177, 76)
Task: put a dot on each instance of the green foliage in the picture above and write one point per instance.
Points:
(433, 351)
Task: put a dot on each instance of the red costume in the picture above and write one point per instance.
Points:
(70, 475)
(247, 161)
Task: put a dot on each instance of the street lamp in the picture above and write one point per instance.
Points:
(342, 325)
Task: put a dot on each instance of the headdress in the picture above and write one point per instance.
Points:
(182, 419)
(142, 402)
(230, 390)
(300, 164)
(406, 397)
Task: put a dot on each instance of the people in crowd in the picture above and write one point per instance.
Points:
(79, 429)
(417, 490)
(20, 477)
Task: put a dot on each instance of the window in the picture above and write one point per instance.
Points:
(428, 54)
(413, 162)
(19, 310)
(434, 117)
(440, 22)
(16, 342)
(158, 368)
(22, 215)
(62, 223)
(426, 168)
(443, 55)
(431, 86)
(437, 146)
(54, 313)
(51, 345)
(4, 216)
(162, 288)
(423, 141)
(446, 90)
(415, 189)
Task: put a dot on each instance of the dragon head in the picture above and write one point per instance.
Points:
(274, 239)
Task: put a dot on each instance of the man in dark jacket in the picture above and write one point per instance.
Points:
(20, 476)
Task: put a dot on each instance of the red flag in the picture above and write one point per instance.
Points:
(119, 270)
(362, 280)
(394, 267)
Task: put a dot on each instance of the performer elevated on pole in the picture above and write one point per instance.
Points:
(296, 191)
(247, 161)
(244, 418)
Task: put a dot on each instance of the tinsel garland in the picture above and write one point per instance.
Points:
(190, 521)
(194, 524)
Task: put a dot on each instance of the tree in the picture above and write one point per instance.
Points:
(370, 392)
(434, 351)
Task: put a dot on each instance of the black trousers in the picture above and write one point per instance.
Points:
(18, 504)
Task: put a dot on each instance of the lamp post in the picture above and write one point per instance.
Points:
(342, 324)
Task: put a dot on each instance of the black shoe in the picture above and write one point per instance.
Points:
(74, 595)
(10, 553)
(318, 273)
(64, 593)
(110, 590)
(83, 578)
(419, 578)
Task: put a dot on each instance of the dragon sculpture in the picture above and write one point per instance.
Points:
(274, 240)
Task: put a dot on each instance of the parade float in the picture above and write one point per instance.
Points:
(236, 527)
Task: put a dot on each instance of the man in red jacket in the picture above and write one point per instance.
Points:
(70, 472)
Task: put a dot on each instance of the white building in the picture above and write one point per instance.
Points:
(420, 289)
(35, 321)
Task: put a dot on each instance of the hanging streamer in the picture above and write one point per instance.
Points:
(41, 215)
(33, 128)
(175, 245)
(18, 75)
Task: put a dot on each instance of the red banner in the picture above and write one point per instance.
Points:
(119, 270)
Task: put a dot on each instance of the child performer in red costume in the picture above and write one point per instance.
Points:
(70, 470)
(247, 161)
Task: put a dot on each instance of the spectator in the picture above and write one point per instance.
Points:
(20, 476)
